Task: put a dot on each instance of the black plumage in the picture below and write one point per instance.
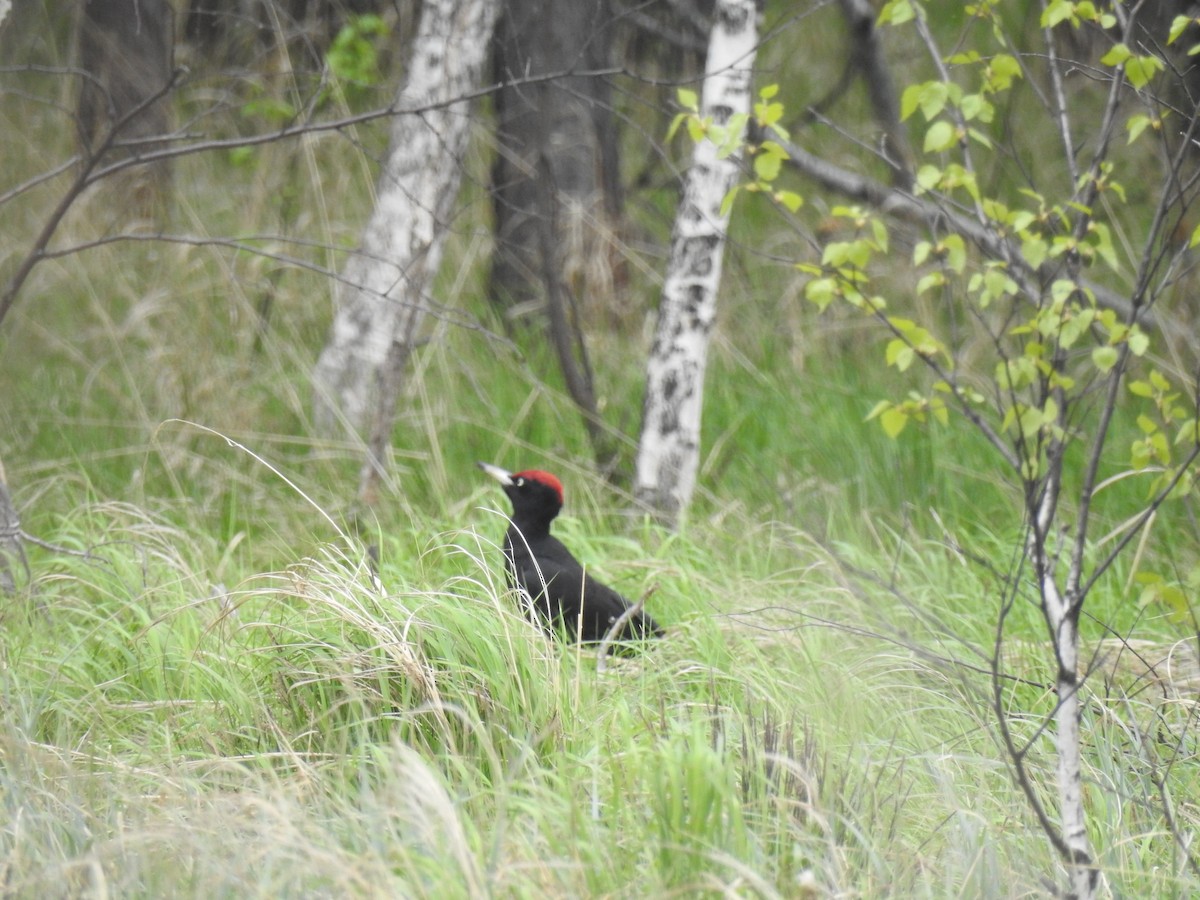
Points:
(567, 600)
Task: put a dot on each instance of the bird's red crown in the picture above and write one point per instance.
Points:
(543, 478)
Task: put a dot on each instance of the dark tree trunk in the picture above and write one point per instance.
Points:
(568, 123)
(126, 49)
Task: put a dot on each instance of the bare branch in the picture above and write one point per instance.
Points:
(617, 626)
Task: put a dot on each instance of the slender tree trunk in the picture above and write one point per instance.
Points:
(566, 333)
(125, 47)
(12, 551)
(1061, 612)
(567, 125)
(381, 294)
(669, 450)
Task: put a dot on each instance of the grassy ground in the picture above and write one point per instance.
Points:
(211, 697)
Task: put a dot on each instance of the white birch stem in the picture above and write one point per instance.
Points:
(669, 449)
(381, 294)
(1062, 620)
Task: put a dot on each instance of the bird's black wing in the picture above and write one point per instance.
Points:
(567, 598)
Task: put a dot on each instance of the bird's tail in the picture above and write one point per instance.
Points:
(641, 625)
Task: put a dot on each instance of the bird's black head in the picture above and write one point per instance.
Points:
(535, 495)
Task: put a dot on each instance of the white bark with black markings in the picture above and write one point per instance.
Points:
(382, 292)
(669, 448)
(1061, 610)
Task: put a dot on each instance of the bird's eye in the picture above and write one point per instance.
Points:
(519, 482)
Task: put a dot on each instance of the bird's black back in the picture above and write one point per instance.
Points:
(563, 595)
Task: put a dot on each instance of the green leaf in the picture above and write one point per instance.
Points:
(879, 230)
(689, 99)
(272, 110)
(1099, 239)
(821, 291)
(897, 12)
(840, 253)
(899, 354)
(1022, 220)
(789, 199)
(1158, 591)
(956, 252)
(1016, 373)
(878, 409)
(675, 123)
(939, 137)
(727, 202)
(979, 137)
(1035, 251)
(241, 156)
(928, 177)
(1000, 72)
(1178, 26)
(1139, 342)
(1189, 432)
(930, 281)
(893, 421)
(1074, 326)
(1050, 411)
(933, 96)
(909, 101)
(1057, 12)
(767, 166)
(1135, 125)
(1104, 358)
(976, 106)
(1140, 70)
(768, 113)
(1117, 55)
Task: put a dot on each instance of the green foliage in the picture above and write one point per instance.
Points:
(352, 65)
(1138, 69)
(766, 155)
(1058, 12)
(1170, 433)
(1041, 376)
(352, 58)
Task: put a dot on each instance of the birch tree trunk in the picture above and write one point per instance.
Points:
(381, 293)
(669, 449)
(1061, 609)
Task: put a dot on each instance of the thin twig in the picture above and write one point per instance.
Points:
(611, 635)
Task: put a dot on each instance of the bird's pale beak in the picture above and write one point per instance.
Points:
(501, 475)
